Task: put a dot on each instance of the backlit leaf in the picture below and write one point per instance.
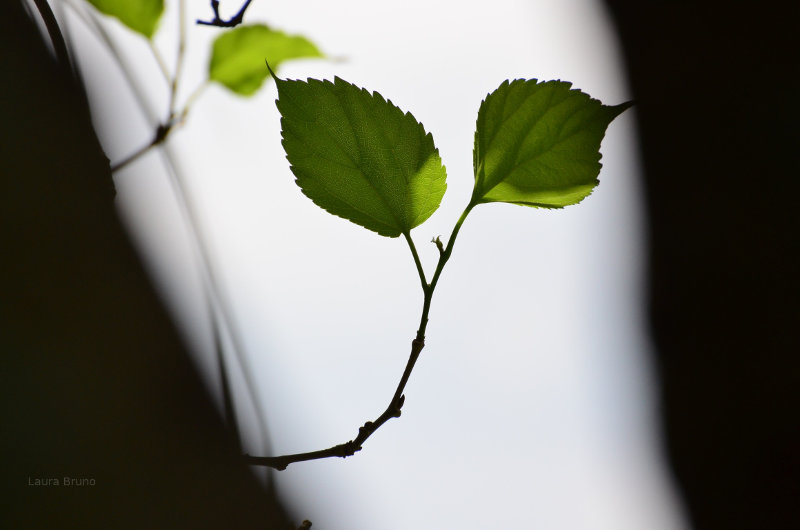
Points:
(139, 15)
(358, 156)
(538, 144)
(238, 55)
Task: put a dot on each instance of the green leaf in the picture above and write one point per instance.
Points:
(237, 58)
(139, 15)
(538, 144)
(358, 156)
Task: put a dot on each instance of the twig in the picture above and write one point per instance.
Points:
(364, 432)
(237, 19)
(175, 121)
(396, 404)
(175, 118)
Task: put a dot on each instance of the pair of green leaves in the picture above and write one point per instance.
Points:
(237, 56)
(358, 156)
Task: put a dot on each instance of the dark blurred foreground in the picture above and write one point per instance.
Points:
(105, 423)
(717, 87)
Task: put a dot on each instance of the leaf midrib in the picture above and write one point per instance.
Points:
(550, 147)
(359, 146)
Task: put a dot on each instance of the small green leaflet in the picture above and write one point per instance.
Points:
(139, 15)
(538, 144)
(358, 156)
(237, 57)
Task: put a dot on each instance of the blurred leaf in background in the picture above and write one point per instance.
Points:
(238, 55)
(141, 16)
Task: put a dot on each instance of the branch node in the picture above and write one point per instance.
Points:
(350, 448)
(365, 430)
(439, 245)
(162, 131)
(398, 405)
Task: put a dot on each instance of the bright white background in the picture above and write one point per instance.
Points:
(533, 404)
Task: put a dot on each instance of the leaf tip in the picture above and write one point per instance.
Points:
(271, 73)
(622, 107)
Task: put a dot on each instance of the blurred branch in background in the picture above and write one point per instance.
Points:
(96, 383)
(220, 319)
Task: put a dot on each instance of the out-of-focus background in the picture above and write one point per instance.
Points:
(537, 400)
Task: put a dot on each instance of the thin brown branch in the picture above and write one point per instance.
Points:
(396, 404)
(364, 432)
(221, 312)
